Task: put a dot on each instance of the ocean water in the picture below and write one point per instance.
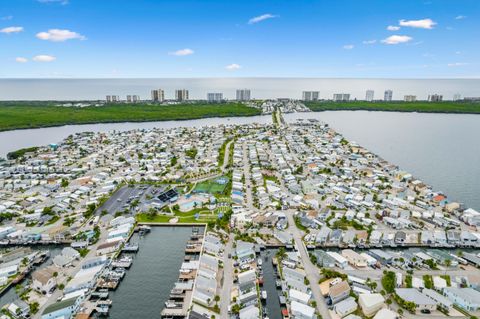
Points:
(262, 88)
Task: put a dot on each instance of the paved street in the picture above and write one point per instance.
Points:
(227, 279)
(311, 270)
(248, 180)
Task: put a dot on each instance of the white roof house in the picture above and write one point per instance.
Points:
(370, 303)
(302, 311)
(299, 296)
(346, 307)
(386, 314)
(413, 295)
(250, 312)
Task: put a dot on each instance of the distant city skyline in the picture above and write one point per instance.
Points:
(258, 88)
(188, 39)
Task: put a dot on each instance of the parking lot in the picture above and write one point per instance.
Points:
(131, 199)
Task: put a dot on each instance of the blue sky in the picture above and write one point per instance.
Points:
(336, 38)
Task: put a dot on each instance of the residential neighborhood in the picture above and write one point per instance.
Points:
(289, 220)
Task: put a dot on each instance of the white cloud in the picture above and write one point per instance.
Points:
(21, 60)
(348, 46)
(457, 64)
(460, 17)
(9, 30)
(393, 28)
(233, 67)
(369, 41)
(182, 52)
(44, 58)
(396, 39)
(422, 24)
(57, 35)
(261, 18)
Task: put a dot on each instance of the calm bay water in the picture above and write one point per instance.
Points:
(262, 88)
(155, 269)
(441, 149)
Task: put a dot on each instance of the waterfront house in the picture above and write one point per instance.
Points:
(44, 280)
(354, 258)
(249, 312)
(245, 252)
(84, 279)
(9, 270)
(66, 258)
(18, 309)
(295, 278)
(322, 235)
(375, 237)
(299, 296)
(63, 309)
(340, 261)
(300, 310)
(108, 248)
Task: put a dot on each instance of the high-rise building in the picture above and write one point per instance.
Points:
(108, 99)
(310, 95)
(181, 95)
(369, 95)
(215, 97)
(243, 95)
(409, 98)
(158, 95)
(113, 98)
(388, 96)
(435, 98)
(457, 97)
(129, 99)
(341, 97)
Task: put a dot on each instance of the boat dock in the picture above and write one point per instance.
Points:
(180, 299)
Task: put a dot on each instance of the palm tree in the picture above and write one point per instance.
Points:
(281, 253)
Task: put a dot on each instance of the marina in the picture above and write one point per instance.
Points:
(147, 284)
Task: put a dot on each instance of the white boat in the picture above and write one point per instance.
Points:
(124, 262)
(259, 261)
(264, 294)
(171, 304)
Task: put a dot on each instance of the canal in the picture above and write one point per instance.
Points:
(155, 269)
(10, 295)
(272, 303)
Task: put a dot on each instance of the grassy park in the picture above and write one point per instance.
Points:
(420, 106)
(204, 216)
(211, 186)
(22, 115)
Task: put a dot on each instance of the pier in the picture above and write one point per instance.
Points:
(180, 299)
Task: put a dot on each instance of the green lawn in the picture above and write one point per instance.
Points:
(15, 115)
(211, 187)
(187, 218)
(421, 106)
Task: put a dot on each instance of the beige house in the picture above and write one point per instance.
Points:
(371, 303)
(44, 280)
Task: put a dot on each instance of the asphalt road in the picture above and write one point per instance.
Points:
(227, 279)
(312, 272)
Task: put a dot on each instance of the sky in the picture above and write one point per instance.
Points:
(230, 38)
